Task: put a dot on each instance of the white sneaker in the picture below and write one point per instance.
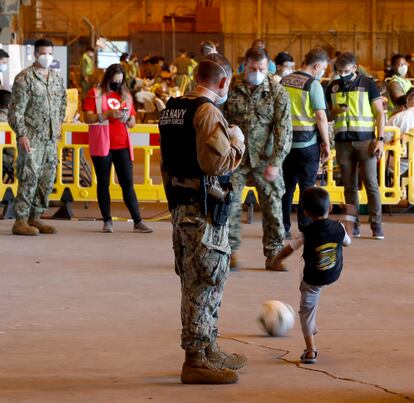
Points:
(108, 227)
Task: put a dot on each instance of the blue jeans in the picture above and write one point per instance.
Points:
(301, 165)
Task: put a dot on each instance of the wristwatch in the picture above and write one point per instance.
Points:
(380, 138)
(100, 118)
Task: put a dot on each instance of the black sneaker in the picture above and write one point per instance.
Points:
(356, 231)
(377, 232)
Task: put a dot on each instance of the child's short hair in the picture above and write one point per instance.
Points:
(316, 201)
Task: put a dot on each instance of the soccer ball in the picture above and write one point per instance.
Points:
(276, 318)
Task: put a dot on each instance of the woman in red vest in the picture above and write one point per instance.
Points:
(111, 107)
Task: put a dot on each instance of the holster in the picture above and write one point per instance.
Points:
(220, 209)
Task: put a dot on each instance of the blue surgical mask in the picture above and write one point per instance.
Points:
(319, 75)
(218, 99)
(256, 77)
(221, 100)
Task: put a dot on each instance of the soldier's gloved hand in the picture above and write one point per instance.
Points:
(235, 132)
(270, 173)
(25, 144)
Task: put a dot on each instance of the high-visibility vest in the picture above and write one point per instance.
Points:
(298, 86)
(405, 85)
(359, 122)
(86, 65)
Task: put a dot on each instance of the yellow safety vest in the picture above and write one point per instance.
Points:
(359, 121)
(303, 116)
(86, 65)
(405, 85)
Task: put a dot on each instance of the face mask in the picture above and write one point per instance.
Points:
(114, 86)
(218, 99)
(3, 68)
(286, 73)
(347, 77)
(402, 70)
(221, 100)
(319, 75)
(45, 60)
(256, 77)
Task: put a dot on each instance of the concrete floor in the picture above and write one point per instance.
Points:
(92, 317)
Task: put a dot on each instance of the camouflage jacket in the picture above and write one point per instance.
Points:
(38, 105)
(264, 118)
(3, 115)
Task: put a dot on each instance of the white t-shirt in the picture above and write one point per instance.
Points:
(404, 120)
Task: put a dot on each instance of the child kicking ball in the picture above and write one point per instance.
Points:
(322, 242)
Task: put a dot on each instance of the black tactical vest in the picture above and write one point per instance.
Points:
(178, 137)
(322, 252)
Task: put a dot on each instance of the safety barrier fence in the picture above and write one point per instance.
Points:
(408, 181)
(76, 181)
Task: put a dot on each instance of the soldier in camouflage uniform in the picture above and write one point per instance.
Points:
(197, 146)
(261, 108)
(36, 113)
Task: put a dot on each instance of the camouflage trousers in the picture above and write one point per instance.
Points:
(202, 262)
(270, 199)
(36, 172)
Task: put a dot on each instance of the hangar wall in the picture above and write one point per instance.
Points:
(371, 28)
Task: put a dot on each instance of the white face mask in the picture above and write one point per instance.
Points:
(45, 60)
(256, 77)
(286, 72)
(3, 68)
(402, 70)
(218, 99)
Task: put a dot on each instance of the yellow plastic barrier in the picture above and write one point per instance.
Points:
(7, 141)
(145, 140)
(75, 171)
(408, 183)
(390, 194)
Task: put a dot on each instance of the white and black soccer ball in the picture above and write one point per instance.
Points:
(276, 318)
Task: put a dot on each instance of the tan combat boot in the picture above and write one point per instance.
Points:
(21, 227)
(234, 263)
(272, 265)
(43, 228)
(222, 360)
(198, 370)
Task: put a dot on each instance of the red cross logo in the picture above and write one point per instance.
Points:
(114, 103)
